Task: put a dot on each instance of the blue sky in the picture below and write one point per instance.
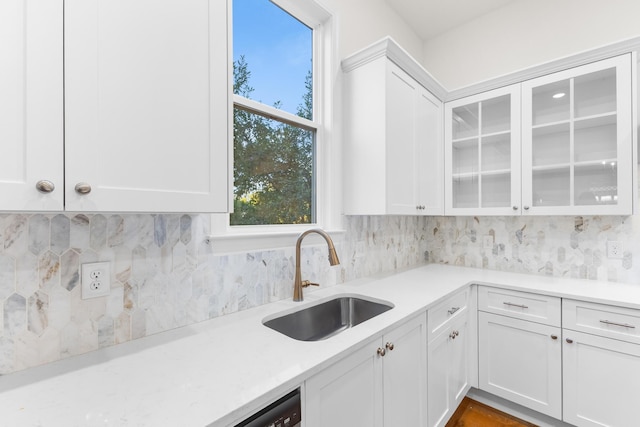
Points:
(277, 49)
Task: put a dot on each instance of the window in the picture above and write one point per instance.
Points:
(275, 127)
(282, 63)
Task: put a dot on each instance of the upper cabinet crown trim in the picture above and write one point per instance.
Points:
(571, 61)
(392, 50)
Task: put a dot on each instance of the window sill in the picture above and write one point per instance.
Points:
(253, 240)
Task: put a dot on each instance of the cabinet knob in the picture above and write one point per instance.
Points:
(83, 188)
(526, 208)
(390, 346)
(45, 186)
(554, 337)
(452, 336)
(569, 340)
(515, 208)
(381, 351)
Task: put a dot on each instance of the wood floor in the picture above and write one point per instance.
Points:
(471, 413)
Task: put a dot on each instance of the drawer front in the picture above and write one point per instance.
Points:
(521, 305)
(440, 316)
(601, 319)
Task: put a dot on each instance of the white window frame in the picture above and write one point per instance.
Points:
(225, 238)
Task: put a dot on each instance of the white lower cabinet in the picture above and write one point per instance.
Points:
(519, 348)
(448, 370)
(600, 374)
(382, 384)
(521, 361)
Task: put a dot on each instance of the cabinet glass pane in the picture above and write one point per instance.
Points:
(465, 121)
(595, 93)
(496, 115)
(465, 192)
(496, 153)
(496, 190)
(551, 187)
(595, 139)
(551, 145)
(551, 103)
(596, 184)
(465, 156)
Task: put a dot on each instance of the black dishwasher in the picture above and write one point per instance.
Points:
(285, 412)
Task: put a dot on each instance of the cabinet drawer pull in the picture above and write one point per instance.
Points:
(554, 337)
(452, 310)
(390, 346)
(45, 186)
(510, 304)
(569, 340)
(381, 351)
(624, 325)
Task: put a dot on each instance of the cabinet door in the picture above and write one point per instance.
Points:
(521, 361)
(482, 154)
(146, 104)
(31, 116)
(348, 393)
(439, 388)
(601, 377)
(405, 374)
(577, 140)
(429, 155)
(402, 97)
(460, 361)
(448, 372)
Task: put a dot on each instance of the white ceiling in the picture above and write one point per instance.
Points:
(429, 18)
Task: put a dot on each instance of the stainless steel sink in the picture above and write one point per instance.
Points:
(321, 321)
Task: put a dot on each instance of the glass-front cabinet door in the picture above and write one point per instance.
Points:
(577, 140)
(482, 154)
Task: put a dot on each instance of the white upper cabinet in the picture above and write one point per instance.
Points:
(137, 121)
(146, 105)
(482, 153)
(577, 140)
(561, 144)
(31, 105)
(393, 141)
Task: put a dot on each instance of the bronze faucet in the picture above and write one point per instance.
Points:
(298, 283)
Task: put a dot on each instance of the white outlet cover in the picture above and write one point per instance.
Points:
(95, 280)
(614, 249)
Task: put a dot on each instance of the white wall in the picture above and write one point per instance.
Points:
(526, 33)
(363, 22)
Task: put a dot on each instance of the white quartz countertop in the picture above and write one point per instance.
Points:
(219, 371)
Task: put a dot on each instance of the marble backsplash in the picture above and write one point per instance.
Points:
(164, 275)
(562, 246)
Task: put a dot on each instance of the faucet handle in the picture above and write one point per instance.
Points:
(306, 283)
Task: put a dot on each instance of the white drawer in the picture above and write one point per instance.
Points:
(601, 319)
(445, 311)
(521, 305)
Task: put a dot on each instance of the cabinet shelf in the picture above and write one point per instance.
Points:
(593, 164)
(475, 138)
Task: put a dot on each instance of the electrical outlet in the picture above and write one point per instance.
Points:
(487, 241)
(614, 249)
(96, 280)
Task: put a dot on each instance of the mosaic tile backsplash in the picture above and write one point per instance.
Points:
(164, 275)
(565, 246)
